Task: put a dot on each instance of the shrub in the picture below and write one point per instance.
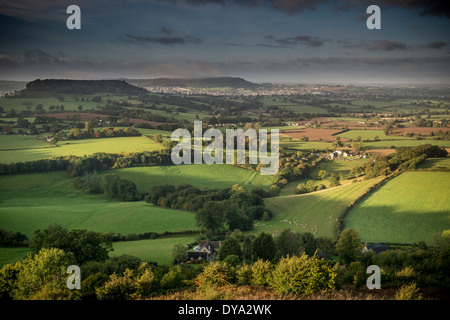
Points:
(408, 292)
(232, 260)
(261, 273)
(173, 279)
(214, 274)
(118, 287)
(43, 276)
(302, 275)
(244, 275)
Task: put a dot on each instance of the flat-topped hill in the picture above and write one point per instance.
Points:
(50, 87)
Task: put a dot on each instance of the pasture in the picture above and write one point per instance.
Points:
(201, 176)
(369, 135)
(315, 212)
(154, 250)
(31, 201)
(408, 209)
(405, 143)
(79, 148)
(16, 142)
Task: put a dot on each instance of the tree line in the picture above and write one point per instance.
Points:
(288, 265)
(78, 166)
(405, 158)
(217, 210)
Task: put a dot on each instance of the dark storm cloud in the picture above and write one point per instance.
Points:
(389, 45)
(162, 40)
(379, 45)
(423, 7)
(435, 45)
(289, 41)
(415, 62)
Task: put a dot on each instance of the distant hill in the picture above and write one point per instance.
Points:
(218, 82)
(11, 86)
(52, 87)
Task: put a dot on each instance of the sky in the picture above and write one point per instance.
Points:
(284, 41)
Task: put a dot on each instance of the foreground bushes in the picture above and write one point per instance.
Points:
(302, 275)
(291, 275)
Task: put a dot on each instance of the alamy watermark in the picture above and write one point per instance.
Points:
(74, 280)
(258, 147)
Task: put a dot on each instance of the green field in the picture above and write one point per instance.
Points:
(80, 148)
(437, 163)
(11, 254)
(202, 176)
(369, 135)
(306, 146)
(32, 201)
(315, 212)
(155, 250)
(405, 143)
(17, 142)
(409, 208)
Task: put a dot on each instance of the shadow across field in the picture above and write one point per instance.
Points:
(394, 224)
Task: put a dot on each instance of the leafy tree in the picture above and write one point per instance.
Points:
(323, 174)
(264, 246)
(110, 184)
(85, 245)
(213, 275)
(349, 245)
(309, 243)
(127, 190)
(261, 272)
(231, 246)
(335, 180)
(287, 243)
(43, 276)
(210, 218)
(302, 275)
(179, 253)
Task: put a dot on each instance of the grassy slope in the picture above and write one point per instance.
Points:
(14, 142)
(409, 208)
(202, 176)
(155, 250)
(436, 163)
(81, 148)
(406, 143)
(315, 212)
(369, 134)
(32, 201)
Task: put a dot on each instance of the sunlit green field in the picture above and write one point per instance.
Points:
(369, 134)
(408, 209)
(202, 176)
(31, 201)
(154, 250)
(81, 148)
(15, 142)
(405, 143)
(315, 212)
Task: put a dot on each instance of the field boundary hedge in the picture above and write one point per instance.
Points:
(151, 235)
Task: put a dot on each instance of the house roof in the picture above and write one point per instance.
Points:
(210, 245)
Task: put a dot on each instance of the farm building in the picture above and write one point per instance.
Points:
(206, 250)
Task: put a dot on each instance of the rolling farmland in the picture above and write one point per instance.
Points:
(409, 208)
(317, 212)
